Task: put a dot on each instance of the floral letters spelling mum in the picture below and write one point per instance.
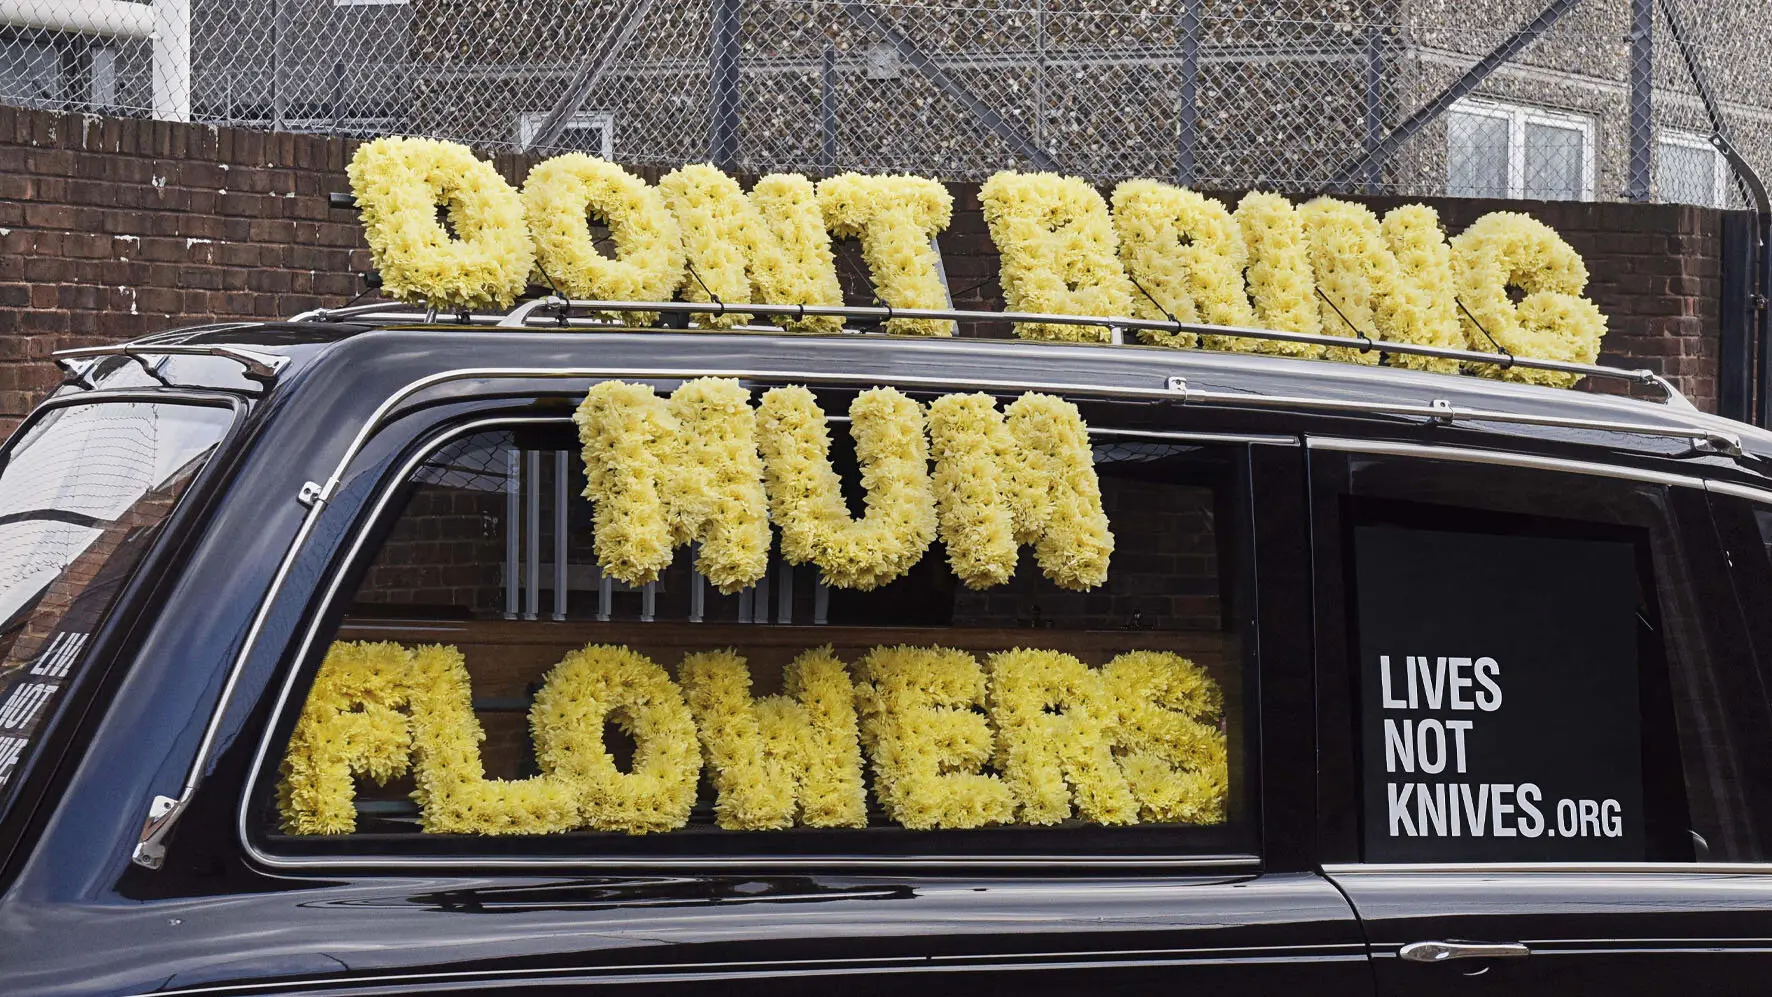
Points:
(703, 466)
(662, 474)
(806, 498)
(1135, 740)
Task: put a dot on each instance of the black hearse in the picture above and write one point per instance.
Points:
(1492, 662)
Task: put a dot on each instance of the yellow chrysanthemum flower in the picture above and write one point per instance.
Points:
(399, 183)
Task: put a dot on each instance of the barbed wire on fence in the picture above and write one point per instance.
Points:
(1553, 99)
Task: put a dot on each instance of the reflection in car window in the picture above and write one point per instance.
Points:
(492, 559)
(82, 494)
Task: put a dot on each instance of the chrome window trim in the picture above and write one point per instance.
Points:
(360, 535)
(1490, 868)
(1504, 458)
(1733, 490)
(608, 974)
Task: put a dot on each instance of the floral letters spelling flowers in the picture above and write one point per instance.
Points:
(380, 709)
(927, 744)
(1138, 739)
(780, 757)
(587, 690)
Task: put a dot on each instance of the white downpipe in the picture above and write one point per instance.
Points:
(172, 60)
(167, 23)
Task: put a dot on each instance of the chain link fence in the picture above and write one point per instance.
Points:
(1553, 99)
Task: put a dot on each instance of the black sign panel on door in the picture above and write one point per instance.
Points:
(1499, 697)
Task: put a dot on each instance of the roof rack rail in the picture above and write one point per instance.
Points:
(258, 366)
(559, 312)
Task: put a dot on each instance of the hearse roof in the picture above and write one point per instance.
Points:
(351, 365)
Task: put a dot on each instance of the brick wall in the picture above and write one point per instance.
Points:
(112, 228)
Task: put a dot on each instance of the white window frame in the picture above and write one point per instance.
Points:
(529, 124)
(1693, 140)
(1518, 116)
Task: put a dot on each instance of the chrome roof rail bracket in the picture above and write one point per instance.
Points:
(1178, 386)
(1671, 396)
(519, 316)
(258, 366)
(77, 371)
(1443, 411)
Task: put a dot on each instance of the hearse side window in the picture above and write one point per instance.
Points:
(489, 563)
(83, 492)
(1540, 663)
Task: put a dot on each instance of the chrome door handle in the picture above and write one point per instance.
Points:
(1447, 951)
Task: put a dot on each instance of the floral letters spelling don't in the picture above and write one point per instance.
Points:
(1138, 739)
(1160, 251)
(703, 466)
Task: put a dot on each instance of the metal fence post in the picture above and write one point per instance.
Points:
(1374, 107)
(827, 111)
(278, 98)
(1187, 111)
(1642, 98)
(723, 85)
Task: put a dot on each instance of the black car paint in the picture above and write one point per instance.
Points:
(78, 918)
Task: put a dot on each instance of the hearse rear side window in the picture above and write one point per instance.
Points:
(83, 492)
(1539, 665)
(555, 710)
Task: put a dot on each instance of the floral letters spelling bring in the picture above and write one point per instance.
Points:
(1159, 251)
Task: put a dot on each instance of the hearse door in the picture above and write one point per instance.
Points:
(1545, 738)
(1224, 898)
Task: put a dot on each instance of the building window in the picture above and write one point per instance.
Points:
(1688, 170)
(1509, 150)
(587, 131)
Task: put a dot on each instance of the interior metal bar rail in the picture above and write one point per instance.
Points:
(562, 313)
